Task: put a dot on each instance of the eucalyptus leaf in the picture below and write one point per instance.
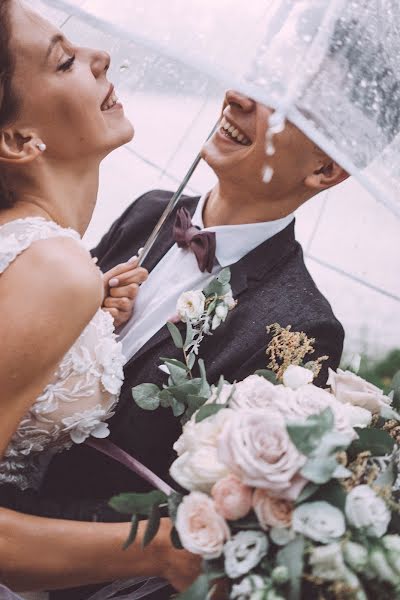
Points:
(175, 362)
(189, 334)
(178, 408)
(319, 470)
(376, 441)
(333, 493)
(178, 374)
(174, 500)
(224, 276)
(146, 396)
(165, 398)
(307, 435)
(153, 525)
(388, 476)
(175, 334)
(138, 504)
(292, 557)
(208, 410)
(190, 387)
(175, 539)
(197, 591)
(307, 492)
(191, 360)
(211, 307)
(268, 375)
(132, 532)
(205, 386)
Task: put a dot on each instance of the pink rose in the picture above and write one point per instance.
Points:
(256, 447)
(202, 530)
(232, 499)
(272, 511)
(352, 389)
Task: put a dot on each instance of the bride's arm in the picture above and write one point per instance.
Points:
(38, 553)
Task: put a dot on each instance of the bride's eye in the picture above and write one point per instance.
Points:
(66, 66)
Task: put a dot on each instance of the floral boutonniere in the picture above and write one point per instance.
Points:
(203, 312)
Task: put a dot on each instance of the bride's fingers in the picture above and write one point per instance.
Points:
(138, 275)
(124, 291)
(113, 312)
(121, 304)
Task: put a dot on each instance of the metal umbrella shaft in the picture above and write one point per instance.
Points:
(171, 205)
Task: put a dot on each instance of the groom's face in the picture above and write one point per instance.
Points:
(237, 152)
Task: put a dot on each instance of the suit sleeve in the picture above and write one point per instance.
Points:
(329, 337)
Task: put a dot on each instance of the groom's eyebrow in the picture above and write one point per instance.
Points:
(56, 39)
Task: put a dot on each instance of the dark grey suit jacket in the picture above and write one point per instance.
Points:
(271, 284)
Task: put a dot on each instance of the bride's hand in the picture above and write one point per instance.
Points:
(179, 567)
(121, 286)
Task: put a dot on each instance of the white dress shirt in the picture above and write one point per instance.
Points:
(178, 272)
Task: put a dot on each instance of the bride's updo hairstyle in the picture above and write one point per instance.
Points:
(9, 104)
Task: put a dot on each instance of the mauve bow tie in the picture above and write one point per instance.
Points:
(202, 243)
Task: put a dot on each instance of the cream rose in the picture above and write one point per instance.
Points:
(196, 435)
(258, 392)
(201, 529)
(352, 389)
(190, 305)
(295, 377)
(255, 446)
(198, 470)
(272, 511)
(365, 510)
(232, 499)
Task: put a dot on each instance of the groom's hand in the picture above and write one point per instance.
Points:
(121, 286)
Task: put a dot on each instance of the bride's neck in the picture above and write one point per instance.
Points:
(66, 196)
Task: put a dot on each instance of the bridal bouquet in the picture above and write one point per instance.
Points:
(291, 489)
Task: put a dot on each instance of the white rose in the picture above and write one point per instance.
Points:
(201, 529)
(254, 445)
(319, 521)
(243, 552)
(327, 562)
(247, 589)
(190, 306)
(357, 416)
(356, 556)
(257, 392)
(352, 389)
(206, 432)
(365, 510)
(198, 470)
(295, 377)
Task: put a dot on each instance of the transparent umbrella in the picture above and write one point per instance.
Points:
(331, 67)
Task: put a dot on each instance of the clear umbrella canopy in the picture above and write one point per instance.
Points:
(329, 66)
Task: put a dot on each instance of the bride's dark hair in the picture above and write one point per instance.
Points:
(9, 104)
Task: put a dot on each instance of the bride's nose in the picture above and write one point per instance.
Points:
(100, 62)
(239, 100)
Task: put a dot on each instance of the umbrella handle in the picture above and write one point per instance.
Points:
(171, 204)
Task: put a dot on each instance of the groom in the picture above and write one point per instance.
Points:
(249, 226)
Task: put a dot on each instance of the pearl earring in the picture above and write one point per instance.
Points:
(42, 147)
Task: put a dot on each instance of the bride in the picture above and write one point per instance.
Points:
(61, 366)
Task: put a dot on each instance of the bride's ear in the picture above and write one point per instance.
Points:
(327, 174)
(19, 147)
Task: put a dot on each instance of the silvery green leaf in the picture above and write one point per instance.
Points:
(174, 500)
(197, 591)
(319, 470)
(208, 410)
(224, 276)
(268, 375)
(211, 307)
(175, 334)
(153, 525)
(191, 360)
(178, 408)
(341, 472)
(138, 504)
(309, 490)
(292, 557)
(307, 435)
(205, 387)
(189, 334)
(178, 371)
(132, 533)
(281, 535)
(165, 398)
(146, 396)
(387, 477)
(376, 441)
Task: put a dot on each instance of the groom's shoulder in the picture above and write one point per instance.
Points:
(150, 206)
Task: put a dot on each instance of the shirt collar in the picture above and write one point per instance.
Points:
(235, 241)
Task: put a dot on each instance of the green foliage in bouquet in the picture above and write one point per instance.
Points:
(292, 491)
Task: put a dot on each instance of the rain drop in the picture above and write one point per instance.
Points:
(268, 174)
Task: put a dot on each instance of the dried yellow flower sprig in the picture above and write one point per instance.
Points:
(290, 348)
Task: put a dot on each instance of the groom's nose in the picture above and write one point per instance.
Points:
(238, 100)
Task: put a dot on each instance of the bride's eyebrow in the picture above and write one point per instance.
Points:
(56, 39)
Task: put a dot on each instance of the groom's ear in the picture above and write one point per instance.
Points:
(326, 174)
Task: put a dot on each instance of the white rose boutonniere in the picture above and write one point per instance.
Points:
(190, 306)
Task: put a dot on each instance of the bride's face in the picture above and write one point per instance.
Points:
(63, 90)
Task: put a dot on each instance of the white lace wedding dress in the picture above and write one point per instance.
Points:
(83, 391)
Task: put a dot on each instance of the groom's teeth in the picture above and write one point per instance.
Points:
(234, 133)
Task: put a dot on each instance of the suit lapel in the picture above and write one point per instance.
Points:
(252, 267)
